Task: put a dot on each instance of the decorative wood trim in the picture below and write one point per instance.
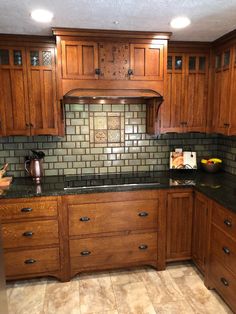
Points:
(94, 33)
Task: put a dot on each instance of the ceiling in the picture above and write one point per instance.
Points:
(210, 18)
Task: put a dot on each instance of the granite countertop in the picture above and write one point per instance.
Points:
(220, 187)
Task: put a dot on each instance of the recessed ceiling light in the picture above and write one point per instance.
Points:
(180, 22)
(42, 16)
(116, 22)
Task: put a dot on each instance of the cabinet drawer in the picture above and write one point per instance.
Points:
(31, 261)
(224, 219)
(223, 281)
(109, 217)
(110, 251)
(28, 209)
(23, 234)
(224, 248)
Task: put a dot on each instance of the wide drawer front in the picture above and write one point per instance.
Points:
(28, 210)
(116, 216)
(224, 248)
(31, 261)
(32, 233)
(225, 219)
(111, 251)
(223, 281)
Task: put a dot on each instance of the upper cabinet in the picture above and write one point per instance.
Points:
(185, 106)
(91, 60)
(28, 102)
(224, 89)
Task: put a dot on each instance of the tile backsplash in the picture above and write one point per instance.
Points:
(110, 138)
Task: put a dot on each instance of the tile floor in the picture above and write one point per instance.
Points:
(179, 289)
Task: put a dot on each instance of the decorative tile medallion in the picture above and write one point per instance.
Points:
(106, 129)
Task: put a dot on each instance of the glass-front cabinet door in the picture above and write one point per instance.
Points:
(13, 92)
(42, 90)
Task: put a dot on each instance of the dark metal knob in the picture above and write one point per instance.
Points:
(226, 250)
(143, 247)
(228, 223)
(97, 71)
(130, 72)
(28, 234)
(26, 210)
(30, 261)
(224, 281)
(143, 214)
(27, 125)
(84, 219)
(85, 253)
(31, 125)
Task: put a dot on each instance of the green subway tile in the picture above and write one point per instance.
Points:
(76, 107)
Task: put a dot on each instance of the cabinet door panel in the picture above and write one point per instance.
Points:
(179, 225)
(232, 121)
(146, 61)
(200, 228)
(79, 59)
(15, 101)
(42, 92)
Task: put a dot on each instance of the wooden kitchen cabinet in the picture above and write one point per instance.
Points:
(185, 108)
(147, 61)
(28, 88)
(14, 92)
(222, 256)
(43, 111)
(179, 225)
(32, 237)
(113, 230)
(79, 59)
(200, 230)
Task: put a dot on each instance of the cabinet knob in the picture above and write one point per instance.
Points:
(226, 125)
(28, 234)
(226, 250)
(30, 261)
(84, 219)
(143, 247)
(31, 125)
(228, 223)
(26, 210)
(27, 125)
(143, 214)
(130, 72)
(85, 253)
(97, 71)
(224, 281)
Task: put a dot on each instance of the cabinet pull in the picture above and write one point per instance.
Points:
(130, 72)
(26, 210)
(27, 125)
(28, 234)
(226, 250)
(224, 281)
(226, 125)
(84, 219)
(30, 261)
(97, 71)
(143, 214)
(85, 253)
(228, 223)
(143, 247)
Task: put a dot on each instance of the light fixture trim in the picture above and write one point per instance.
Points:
(180, 22)
(42, 16)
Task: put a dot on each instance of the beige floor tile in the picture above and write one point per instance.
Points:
(62, 298)
(180, 269)
(178, 307)
(132, 298)
(121, 277)
(160, 286)
(198, 296)
(96, 294)
(27, 297)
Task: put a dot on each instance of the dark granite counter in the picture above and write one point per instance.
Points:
(220, 187)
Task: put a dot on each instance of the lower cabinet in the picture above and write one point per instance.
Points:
(31, 236)
(200, 230)
(179, 225)
(222, 255)
(112, 230)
